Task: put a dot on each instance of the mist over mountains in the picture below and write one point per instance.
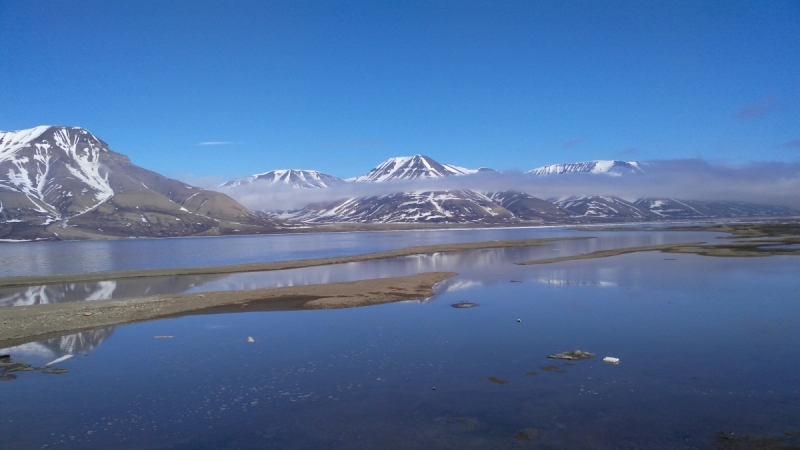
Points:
(417, 188)
(66, 183)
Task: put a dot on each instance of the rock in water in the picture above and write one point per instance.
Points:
(250, 339)
(528, 434)
(464, 305)
(573, 355)
(15, 367)
(55, 371)
(611, 360)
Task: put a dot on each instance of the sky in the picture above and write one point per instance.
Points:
(221, 89)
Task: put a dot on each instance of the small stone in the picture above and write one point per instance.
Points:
(611, 360)
(573, 355)
(528, 434)
(433, 388)
(519, 320)
(496, 380)
(464, 305)
(250, 339)
(87, 313)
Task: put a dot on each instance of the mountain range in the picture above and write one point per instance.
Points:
(61, 183)
(504, 207)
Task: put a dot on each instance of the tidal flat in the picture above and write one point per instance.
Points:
(702, 343)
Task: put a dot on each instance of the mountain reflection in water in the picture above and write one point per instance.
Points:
(475, 267)
(49, 349)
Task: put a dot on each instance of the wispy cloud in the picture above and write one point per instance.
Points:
(759, 108)
(216, 143)
(369, 143)
(794, 143)
(769, 183)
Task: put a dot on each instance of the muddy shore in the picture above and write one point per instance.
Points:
(732, 250)
(30, 323)
(280, 265)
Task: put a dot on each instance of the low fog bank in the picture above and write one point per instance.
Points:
(764, 183)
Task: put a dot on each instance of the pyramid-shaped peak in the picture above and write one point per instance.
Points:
(411, 168)
(296, 178)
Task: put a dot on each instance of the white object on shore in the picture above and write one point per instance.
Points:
(610, 360)
(250, 339)
(58, 360)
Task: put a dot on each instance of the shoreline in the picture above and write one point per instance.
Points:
(23, 324)
(271, 266)
(748, 249)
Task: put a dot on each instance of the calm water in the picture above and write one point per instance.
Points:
(40, 258)
(706, 345)
(479, 266)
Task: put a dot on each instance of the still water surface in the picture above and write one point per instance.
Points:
(706, 345)
(478, 266)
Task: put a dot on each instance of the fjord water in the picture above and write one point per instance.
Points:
(706, 344)
(480, 265)
(43, 258)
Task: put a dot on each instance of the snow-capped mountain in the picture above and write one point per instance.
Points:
(32, 160)
(614, 168)
(472, 206)
(454, 206)
(600, 207)
(529, 208)
(410, 168)
(670, 208)
(412, 207)
(65, 183)
(294, 178)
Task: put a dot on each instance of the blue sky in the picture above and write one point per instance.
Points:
(341, 86)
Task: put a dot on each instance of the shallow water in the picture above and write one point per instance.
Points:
(706, 345)
(476, 267)
(42, 258)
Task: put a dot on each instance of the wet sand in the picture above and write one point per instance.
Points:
(280, 265)
(24, 324)
(736, 249)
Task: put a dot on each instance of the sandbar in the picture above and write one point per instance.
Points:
(735, 249)
(279, 265)
(24, 324)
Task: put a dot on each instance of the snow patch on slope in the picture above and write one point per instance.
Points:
(606, 167)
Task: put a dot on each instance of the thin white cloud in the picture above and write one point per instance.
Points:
(216, 143)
